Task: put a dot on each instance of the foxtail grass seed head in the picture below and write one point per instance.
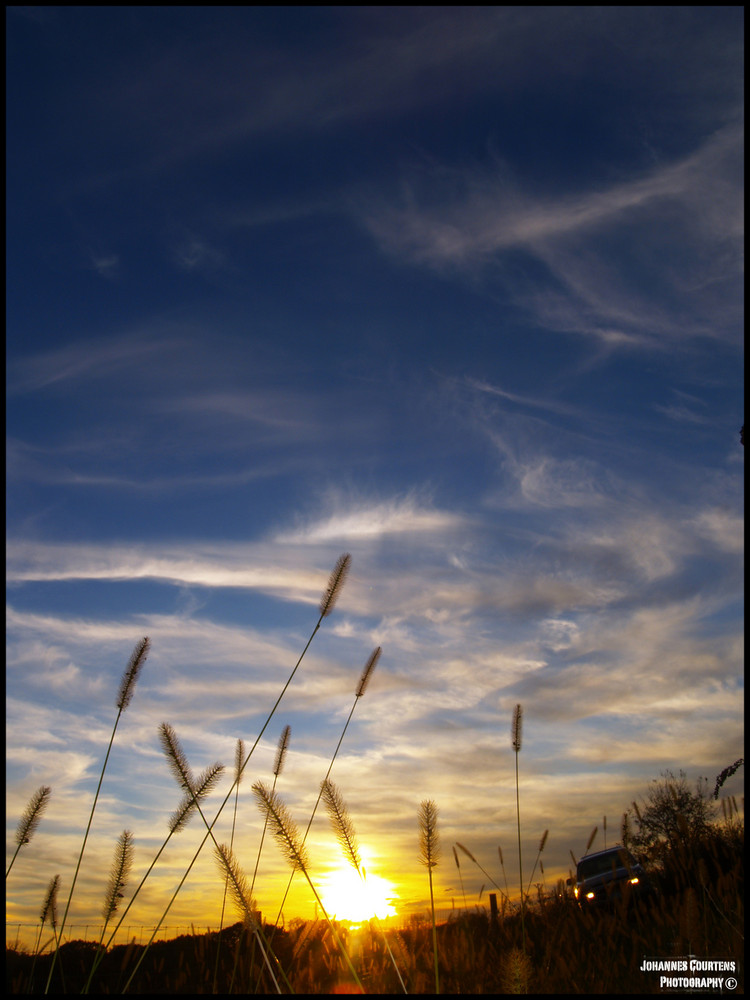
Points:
(239, 761)
(591, 839)
(281, 750)
(33, 814)
(283, 827)
(335, 583)
(429, 841)
(237, 880)
(516, 972)
(364, 680)
(127, 685)
(543, 841)
(467, 852)
(455, 856)
(341, 823)
(49, 906)
(176, 756)
(118, 879)
(500, 854)
(202, 785)
(516, 733)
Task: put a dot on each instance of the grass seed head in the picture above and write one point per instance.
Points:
(516, 733)
(135, 663)
(281, 750)
(118, 878)
(239, 761)
(364, 680)
(283, 827)
(335, 583)
(49, 907)
(33, 814)
(429, 842)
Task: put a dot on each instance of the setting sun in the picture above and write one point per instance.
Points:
(346, 897)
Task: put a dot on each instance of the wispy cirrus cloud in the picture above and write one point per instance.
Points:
(375, 520)
(680, 224)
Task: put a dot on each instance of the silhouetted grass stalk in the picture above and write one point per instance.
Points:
(48, 912)
(287, 838)
(177, 822)
(469, 855)
(281, 751)
(127, 686)
(429, 856)
(516, 738)
(243, 899)
(184, 775)
(542, 842)
(347, 838)
(30, 820)
(460, 876)
(118, 879)
(364, 680)
(502, 866)
(239, 756)
(327, 604)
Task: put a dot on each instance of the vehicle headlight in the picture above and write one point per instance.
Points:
(589, 895)
(634, 880)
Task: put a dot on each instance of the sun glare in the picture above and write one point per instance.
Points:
(346, 897)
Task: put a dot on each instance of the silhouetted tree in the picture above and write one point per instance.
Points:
(671, 816)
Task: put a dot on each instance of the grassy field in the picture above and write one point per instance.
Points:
(699, 912)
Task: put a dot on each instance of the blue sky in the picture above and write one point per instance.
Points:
(457, 290)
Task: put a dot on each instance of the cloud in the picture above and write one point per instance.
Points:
(682, 220)
(193, 253)
(363, 520)
(84, 361)
(107, 266)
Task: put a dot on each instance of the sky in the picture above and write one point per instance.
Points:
(454, 290)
